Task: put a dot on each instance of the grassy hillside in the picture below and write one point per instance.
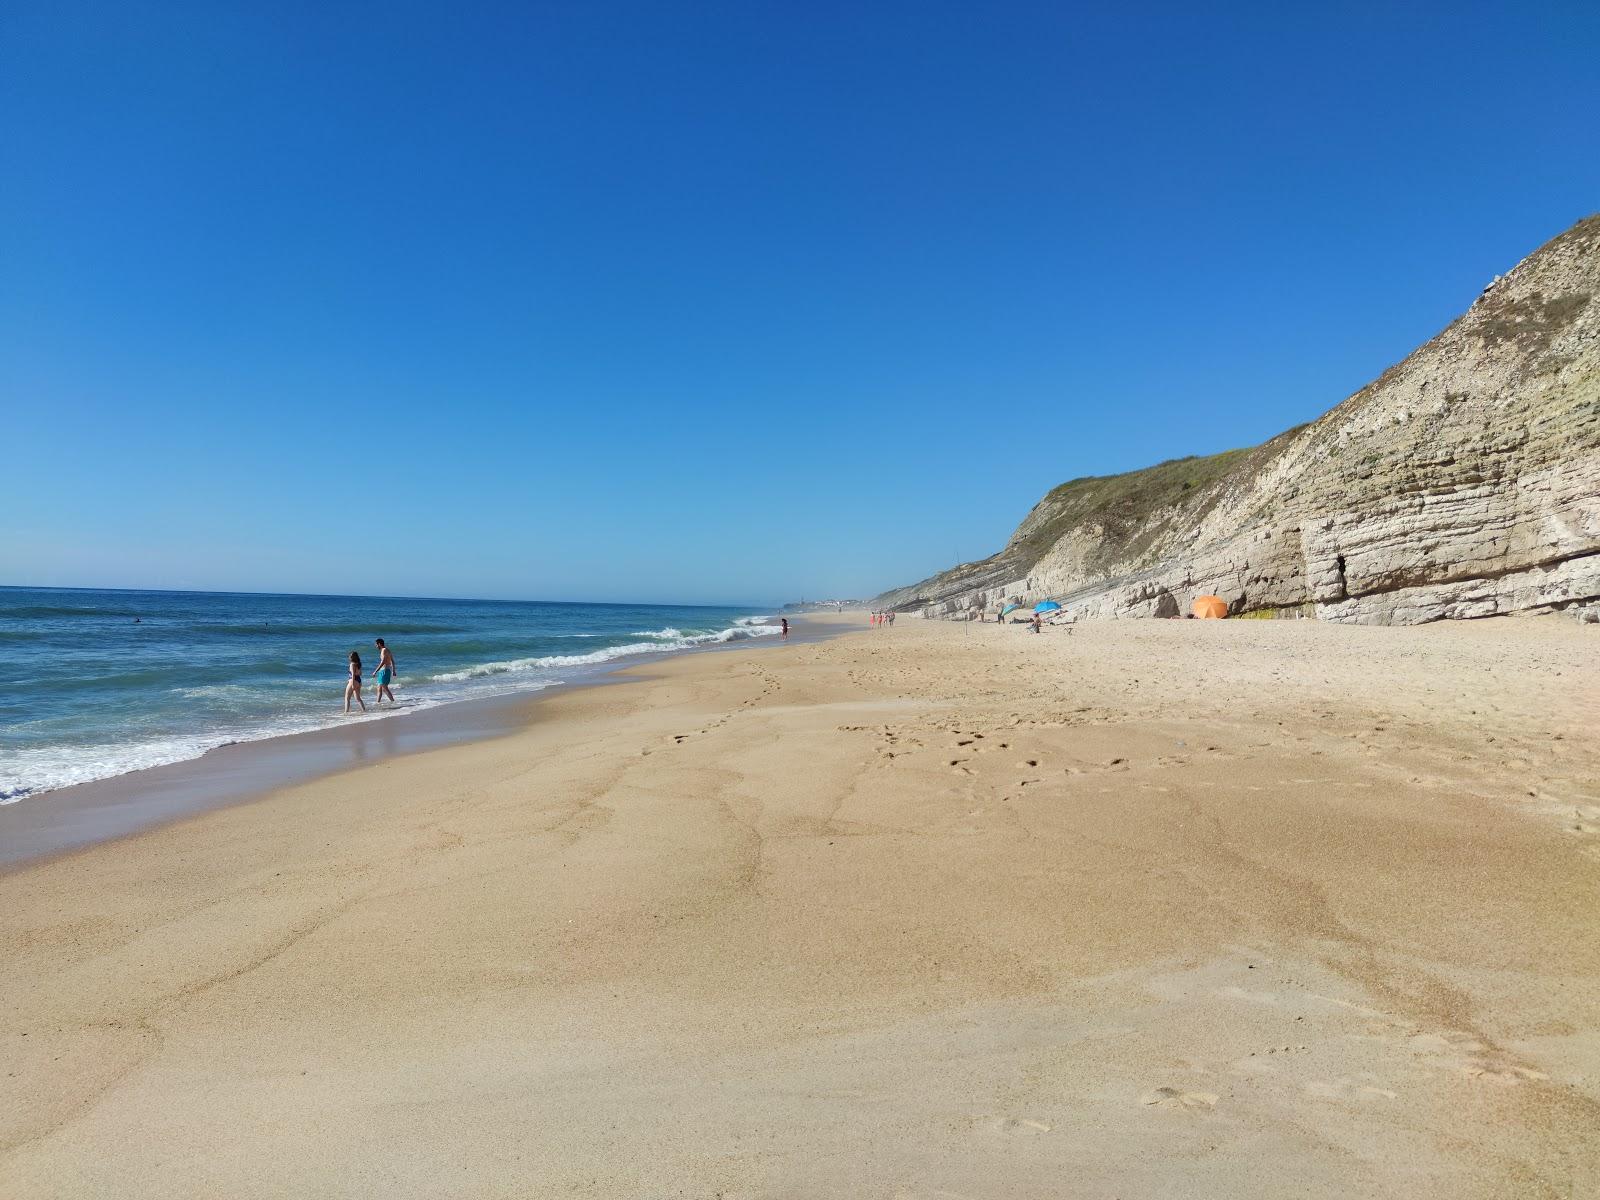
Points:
(1125, 507)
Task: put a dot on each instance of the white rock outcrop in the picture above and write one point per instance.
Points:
(1464, 482)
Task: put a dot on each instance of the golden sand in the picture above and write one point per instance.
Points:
(1175, 909)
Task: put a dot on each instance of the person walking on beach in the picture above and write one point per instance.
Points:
(785, 622)
(352, 686)
(386, 671)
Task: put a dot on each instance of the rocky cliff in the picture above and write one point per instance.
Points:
(1464, 482)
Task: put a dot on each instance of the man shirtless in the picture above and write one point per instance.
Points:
(386, 671)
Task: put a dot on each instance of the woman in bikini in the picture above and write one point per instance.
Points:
(353, 686)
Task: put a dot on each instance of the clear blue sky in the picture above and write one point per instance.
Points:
(732, 301)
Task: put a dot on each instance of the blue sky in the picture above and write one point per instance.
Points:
(712, 302)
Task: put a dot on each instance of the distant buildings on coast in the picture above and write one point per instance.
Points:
(803, 606)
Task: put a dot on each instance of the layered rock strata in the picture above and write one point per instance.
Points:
(1463, 482)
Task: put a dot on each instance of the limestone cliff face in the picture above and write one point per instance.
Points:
(1464, 482)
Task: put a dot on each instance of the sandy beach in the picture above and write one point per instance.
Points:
(1151, 909)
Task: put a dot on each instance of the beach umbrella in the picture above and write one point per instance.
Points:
(1212, 607)
(1047, 606)
(1008, 608)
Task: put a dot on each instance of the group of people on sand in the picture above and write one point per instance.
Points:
(883, 618)
(384, 679)
(1034, 622)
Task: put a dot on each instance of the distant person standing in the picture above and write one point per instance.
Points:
(352, 685)
(784, 621)
(386, 671)
(891, 618)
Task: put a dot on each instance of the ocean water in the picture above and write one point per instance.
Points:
(98, 683)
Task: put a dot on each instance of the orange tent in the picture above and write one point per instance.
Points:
(1210, 606)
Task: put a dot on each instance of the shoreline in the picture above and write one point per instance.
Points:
(48, 824)
(1158, 907)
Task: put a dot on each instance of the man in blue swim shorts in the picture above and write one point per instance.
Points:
(386, 671)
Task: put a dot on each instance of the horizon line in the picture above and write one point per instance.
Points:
(31, 587)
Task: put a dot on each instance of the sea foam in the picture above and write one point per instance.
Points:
(173, 675)
(667, 640)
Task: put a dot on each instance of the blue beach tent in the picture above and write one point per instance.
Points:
(1046, 606)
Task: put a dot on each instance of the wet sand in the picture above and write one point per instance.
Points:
(1199, 909)
(70, 818)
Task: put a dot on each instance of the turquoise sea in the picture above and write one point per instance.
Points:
(98, 683)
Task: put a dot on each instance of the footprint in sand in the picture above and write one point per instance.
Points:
(1463, 1053)
(1167, 1097)
(1346, 1088)
(1256, 997)
(1019, 1125)
(1498, 1070)
(1586, 819)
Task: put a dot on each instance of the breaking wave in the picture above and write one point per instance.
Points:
(203, 671)
(665, 641)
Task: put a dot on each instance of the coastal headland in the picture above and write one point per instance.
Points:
(1462, 482)
(1212, 909)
